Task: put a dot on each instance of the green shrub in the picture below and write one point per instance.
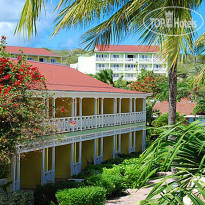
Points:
(44, 194)
(17, 198)
(110, 179)
(92, 195)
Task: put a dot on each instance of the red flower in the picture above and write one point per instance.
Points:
(16, 104)
(62, 109)
(7, 77)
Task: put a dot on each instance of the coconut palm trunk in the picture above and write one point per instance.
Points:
(172, 94)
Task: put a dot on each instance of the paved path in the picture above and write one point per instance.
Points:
(133, 197)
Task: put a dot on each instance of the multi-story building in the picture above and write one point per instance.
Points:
(97, 122)
(126, 60)
(34, 54)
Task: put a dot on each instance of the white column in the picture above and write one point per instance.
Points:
(120, 143)
(120, 109)
(18, 171)
(134, 104)
(114, 148)
(130, 135)
(53, 107)
(115, 105)
(144, 109)
(130, 109)
(143, 139)
(134, 140)
(80, 112)
(13, 173)
(102, 102)
(72, 156)
(153, 62)
(95, 112)
(43, 166)
(53, 162)
(72, 107)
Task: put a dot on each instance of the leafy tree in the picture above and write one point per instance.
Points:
(200, 107)
(147, 81)
(162, 120)
(21, 115)
(121, 83)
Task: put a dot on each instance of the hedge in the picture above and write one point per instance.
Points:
(110, 179)
(90, 195)
(44, 194)
(16, 198)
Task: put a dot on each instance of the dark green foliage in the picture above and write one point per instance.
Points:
(163, 120)
(16, 198)
(200, 107)
(91, 195)
(110, 179)
(44, 194)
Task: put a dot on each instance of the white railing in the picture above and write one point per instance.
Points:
(145, 59)
(102, 59)
(131, 59)
(76, 168)
(116, 59)
(72, 124)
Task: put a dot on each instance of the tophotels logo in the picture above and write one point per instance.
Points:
(169, 21)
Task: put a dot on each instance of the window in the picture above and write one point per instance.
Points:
(116, 66)
(101, 55)
(130, 67)
(128, 75)
(116, 56)
(130, 56)
(53, 60)
(116, 75)
(42, 59)
(30, 59)
(101, 66)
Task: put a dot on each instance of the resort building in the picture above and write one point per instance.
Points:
(97, 123)
(34, 54)
(126, 60)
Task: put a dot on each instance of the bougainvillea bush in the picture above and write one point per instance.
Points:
(21, 115)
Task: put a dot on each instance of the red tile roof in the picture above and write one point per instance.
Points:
(185, 107)
(29, 50)
(128, 48)
(64, 78)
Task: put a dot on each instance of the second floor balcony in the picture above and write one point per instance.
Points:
(80, 123)
(78, 114)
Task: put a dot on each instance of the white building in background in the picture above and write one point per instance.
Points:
(126, 60)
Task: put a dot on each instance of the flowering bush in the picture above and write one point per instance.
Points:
(20, 113)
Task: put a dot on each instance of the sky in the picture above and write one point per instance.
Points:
(10, 11)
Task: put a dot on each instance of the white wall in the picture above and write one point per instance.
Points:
(86, 64)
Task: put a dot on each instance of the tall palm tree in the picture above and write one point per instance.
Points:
(123, 17)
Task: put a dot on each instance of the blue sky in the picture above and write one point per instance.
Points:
(67, 39)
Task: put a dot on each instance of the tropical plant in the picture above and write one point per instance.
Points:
(162, 120)
(185, 151)
(150, 113)
(200, 107)
(106, 76)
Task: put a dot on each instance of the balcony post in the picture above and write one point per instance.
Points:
(120, 103)
(144, 109)
(72, 107)
(54, 107)
(130, 145)
(152, 62)
(130, 109)
(80, 113)
(102, 102)
(95, 112)
(43, 166)
(115, 110)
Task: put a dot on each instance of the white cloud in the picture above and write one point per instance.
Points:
(10, 11)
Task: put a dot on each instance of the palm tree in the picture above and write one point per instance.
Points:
(122, 18)
(106, 76)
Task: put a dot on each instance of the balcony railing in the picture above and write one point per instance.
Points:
(116, 59)
(145, 59)
(72, 124)
(131, 59)
(102, 59)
